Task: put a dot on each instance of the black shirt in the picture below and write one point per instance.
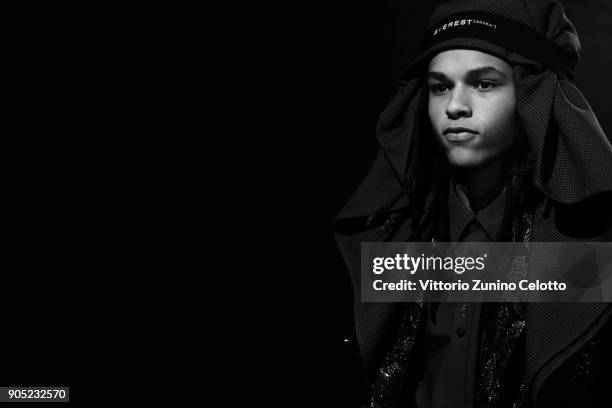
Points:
(452, 331)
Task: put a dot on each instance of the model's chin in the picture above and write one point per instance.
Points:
(465, 158)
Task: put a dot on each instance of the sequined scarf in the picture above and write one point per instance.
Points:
(500, 336)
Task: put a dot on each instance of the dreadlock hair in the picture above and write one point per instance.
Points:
(523, 197)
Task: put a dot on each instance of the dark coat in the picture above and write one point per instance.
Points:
(554, 332)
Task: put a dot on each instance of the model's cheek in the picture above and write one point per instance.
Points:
(436, 127)
(436, 117)
(504, 133)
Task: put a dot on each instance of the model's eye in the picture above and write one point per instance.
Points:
(485, 85)
(438, 89)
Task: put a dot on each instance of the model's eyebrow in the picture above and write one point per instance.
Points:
(438, 76)
(470, 76)
(475, 74)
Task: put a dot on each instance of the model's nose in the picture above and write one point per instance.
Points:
(459, 104)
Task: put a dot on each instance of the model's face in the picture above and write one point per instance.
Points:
(472, 107)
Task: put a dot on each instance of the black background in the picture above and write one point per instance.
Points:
(237, 132)
(241, 132)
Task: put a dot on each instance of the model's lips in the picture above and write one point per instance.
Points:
(459, 134)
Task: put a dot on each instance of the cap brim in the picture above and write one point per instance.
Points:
(418, 66)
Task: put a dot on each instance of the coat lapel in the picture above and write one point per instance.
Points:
(555, 330)
(374, 321)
